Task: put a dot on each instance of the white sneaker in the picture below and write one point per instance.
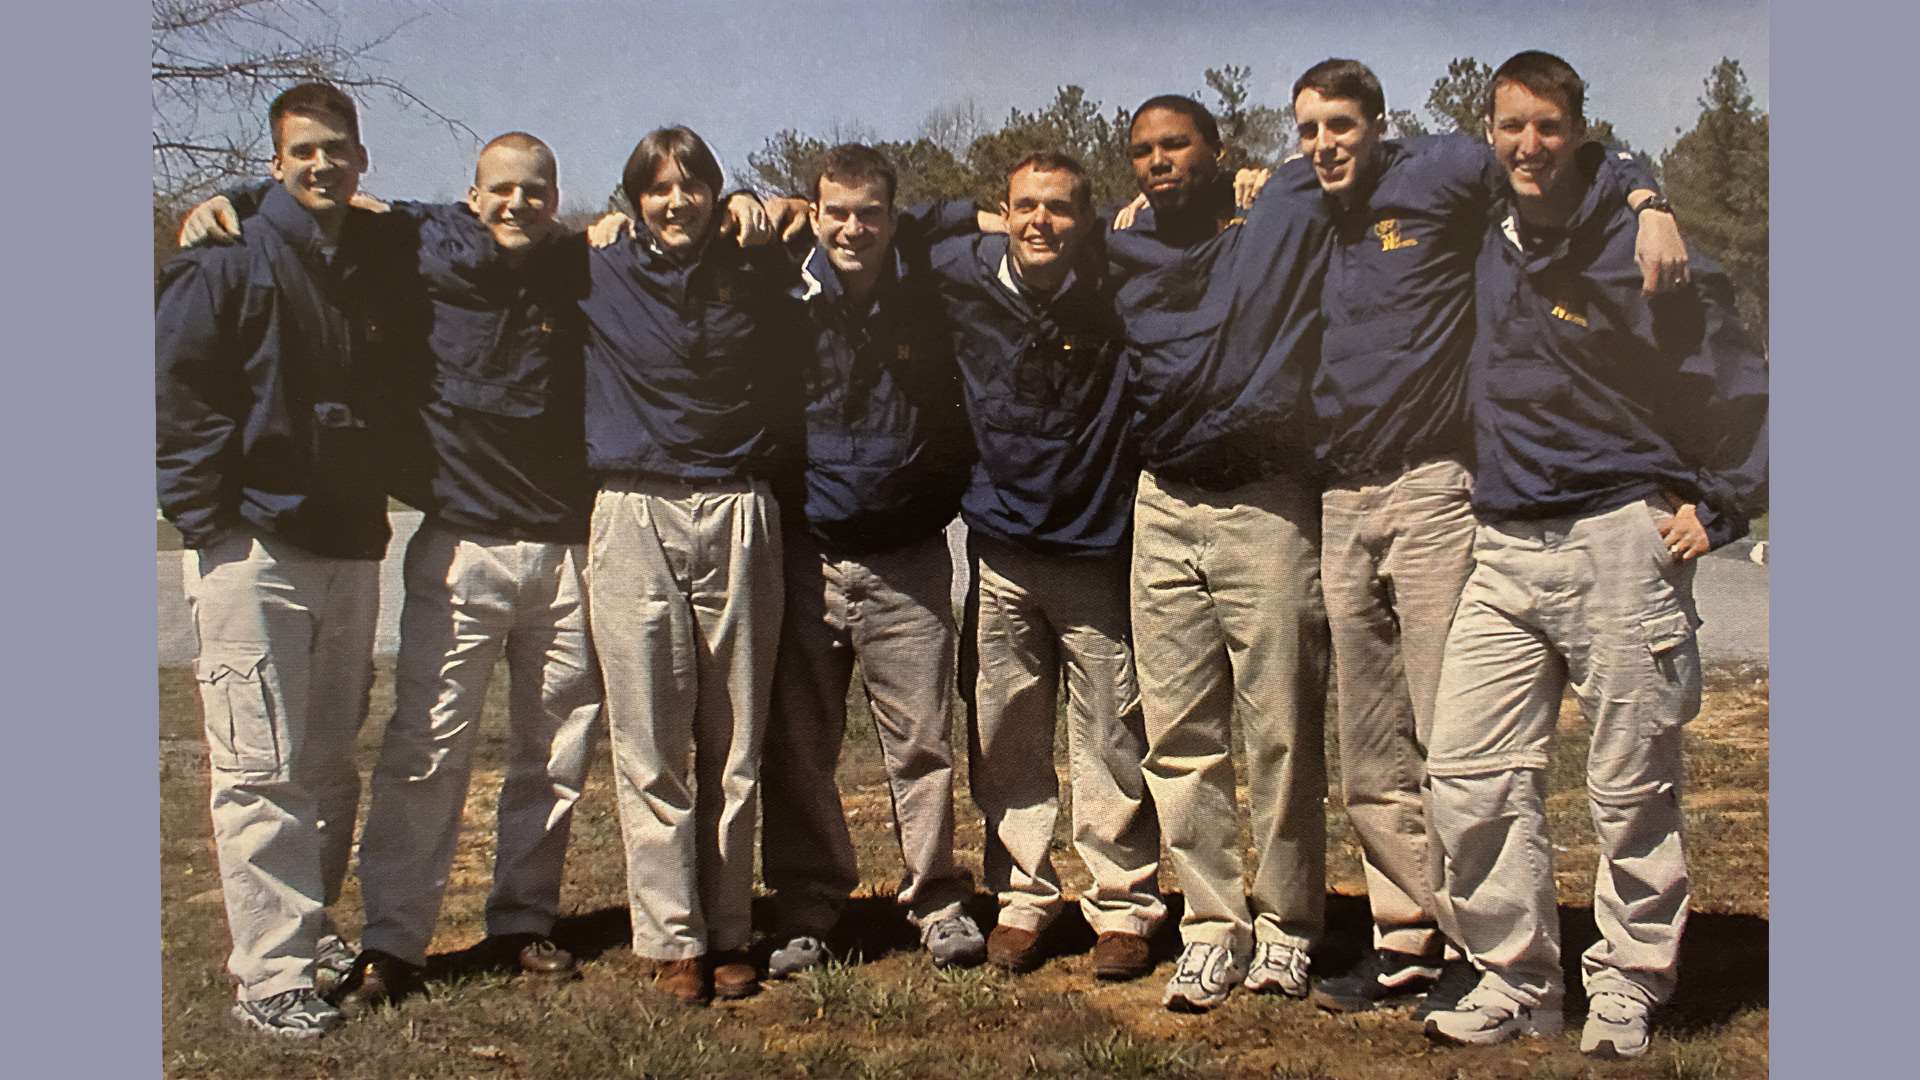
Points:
(1203, 977)
(1616, 1027)
(1278, 967)
(1486, 1016)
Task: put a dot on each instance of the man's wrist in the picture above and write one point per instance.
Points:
(1657, 203)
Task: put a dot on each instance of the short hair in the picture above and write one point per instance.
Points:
(855, 163)
(520, 140)
(677, 144)
(1348, 79)
(1185, 106)
(1545, 74)
(309, 98)
(1055, 161)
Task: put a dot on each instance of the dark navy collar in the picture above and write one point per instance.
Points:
(820, 281)
(298, 229)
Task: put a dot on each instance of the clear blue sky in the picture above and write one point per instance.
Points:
(592, 76)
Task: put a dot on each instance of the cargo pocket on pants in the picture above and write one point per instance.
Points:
(244, 730)
(1676, 668)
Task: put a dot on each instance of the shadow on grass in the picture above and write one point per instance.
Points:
(1723, 957)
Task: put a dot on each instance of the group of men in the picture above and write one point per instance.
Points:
(1421, 408)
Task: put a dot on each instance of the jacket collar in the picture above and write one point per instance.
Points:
(297, 228)
(820, 281)
(1591, 211)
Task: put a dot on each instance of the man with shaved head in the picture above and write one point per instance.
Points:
(485, 340)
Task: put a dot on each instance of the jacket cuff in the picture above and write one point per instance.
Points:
(1723, 528)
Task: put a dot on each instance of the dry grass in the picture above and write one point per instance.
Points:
(890, 1015)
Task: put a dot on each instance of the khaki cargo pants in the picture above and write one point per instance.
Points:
(285, 665)
(1595, 603)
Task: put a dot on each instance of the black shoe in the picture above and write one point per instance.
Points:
(1457, 980)
(1379, 978)
(532, 954)
(377, 979)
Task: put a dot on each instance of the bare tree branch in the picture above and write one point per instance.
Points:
(217, 63)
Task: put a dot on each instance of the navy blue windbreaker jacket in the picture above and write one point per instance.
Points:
(1045, 387)
(1588, 395)
(479, 361)
(263, 397)
(683, 370)
(1391, 390)
(887, 446)
(490, 354)
(1223, 330)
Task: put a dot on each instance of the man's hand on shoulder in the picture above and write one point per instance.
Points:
(609, 228)
(1247, 184)
(746, 220)
(1658, 249)
(211, 222)
(1123, 218)
(786, 215)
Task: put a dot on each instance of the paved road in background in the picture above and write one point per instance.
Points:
(1731, 590)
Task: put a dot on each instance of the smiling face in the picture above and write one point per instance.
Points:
(1046, 224)
(854, 223)
(1338, 138)
(1534, 138)
(1172, 159)
(318, 161)
(676, 209)
(515, 196)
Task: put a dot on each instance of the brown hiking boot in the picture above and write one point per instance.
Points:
(1118, 956)
(734, 975)
(1013, 949)
(684, 980)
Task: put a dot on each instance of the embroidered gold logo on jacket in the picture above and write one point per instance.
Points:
(1565, 311)
(1388, 230)
(903, 351)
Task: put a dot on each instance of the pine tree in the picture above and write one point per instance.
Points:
(1716, 176)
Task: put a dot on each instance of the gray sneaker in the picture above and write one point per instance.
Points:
(955, 941)
(1616, 1027)
(1278, 967)
(1203, 977)
(802, 952)
(332, 963)
(295, 1014)
(1486, 1016)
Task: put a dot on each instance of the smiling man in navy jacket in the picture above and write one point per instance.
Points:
(1397, 525)
(267, 467)
(868, 574)
(1617, 439)
(1048, 515)
(1222, 316)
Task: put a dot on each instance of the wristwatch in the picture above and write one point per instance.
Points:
(1653, 202)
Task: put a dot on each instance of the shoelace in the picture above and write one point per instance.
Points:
(1289, 959)
(1193, 963)
(1614, 1008)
